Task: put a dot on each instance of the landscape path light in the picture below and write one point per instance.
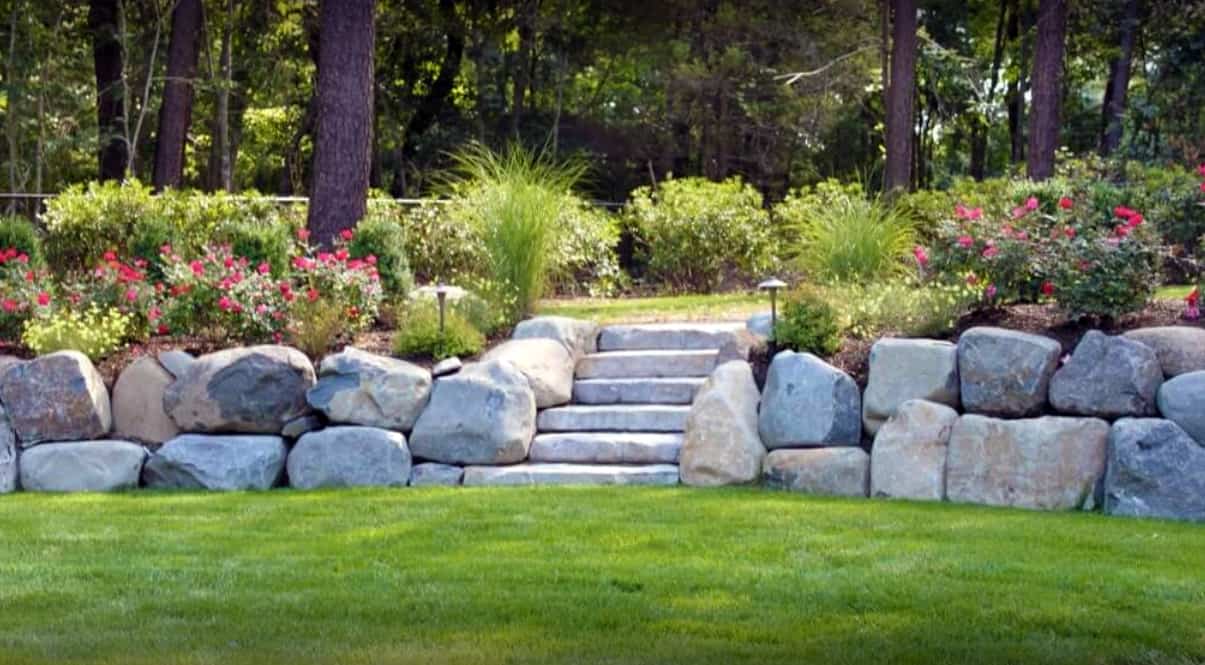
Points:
(773, 285)
(441, 294)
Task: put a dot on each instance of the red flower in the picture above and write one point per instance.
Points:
(132, 295)
(922, 257)
(22, 258)
(972, 280)
(110, 255)
(1047, 289)
(965, 242)
(1122, 230)
(1135, 221)
(1201, 170)
(312, 294)
(1069, 231)
(264, 268)
(225, 303)
(228, 262)
(341, 255)
(1193, 298)
(346, 234)
(990, 251)
(1066, 203)
(303, 234)
(165, 250)
(10, 306)
(43, 299)
(162, 329)
(29, 276)
(197, 267)
(1124, 212)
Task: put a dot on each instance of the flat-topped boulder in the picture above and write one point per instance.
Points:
(721, 445)
(254, 389)
(349, 456)
(577, 336)
(1049, 463)
(434, 474)
(908, 369)
(618, 418)
(637, 391)
(1181, 349)
(908, 460)
(647, 364)
(360, 388)
(1182, 400)
(485, 414)
(546, 363)
(607, 448)
(667, 336)
(1107, 377)
(217, 462)
(826, 471)
(571, 474)
(807, 402)
(82, 466)
(1155, 470)
(56, 397)
(138, 412)
(1005, 372)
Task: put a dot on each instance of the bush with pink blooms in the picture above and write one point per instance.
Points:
(21, 290)
(1091, 264)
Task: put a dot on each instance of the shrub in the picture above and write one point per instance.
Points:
(83, 222)
(419, 335)
(1106, 274)
(515, 198)
(693, 234)
(21, 288)
(583, 254)
(442, 244)
(845, 237)
(383, 237)
(95, 332)
(315, 325)
(353, 284)
(222, 296)
(20, 234)
(257, 241)
(904, 307)
(808, 323)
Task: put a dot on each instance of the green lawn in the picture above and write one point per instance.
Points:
(580, 575)
(1173, 292)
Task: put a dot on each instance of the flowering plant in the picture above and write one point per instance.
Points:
(353, 284)
(219, 294)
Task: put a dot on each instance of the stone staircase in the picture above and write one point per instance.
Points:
(625, 422)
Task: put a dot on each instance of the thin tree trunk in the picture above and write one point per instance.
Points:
(11, 111)
(1016, 87)
(1047, 88)
(1113, 110)
(527, 36)
(113, 154)
(437, 94)
(175, 115)
(982, 129)
(884, 50)
(900, 98)
(222, 139)
(343, 145)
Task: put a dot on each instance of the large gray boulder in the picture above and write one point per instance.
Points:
(1155, 470)
(807, 402)
(8, 455)
(577, 336)
(908, 460)
(360, 388)
(82, 466)
(1005, 372)
(1107, 377)
(721, 445)
(138, 412)
(830, 471)
(547, 365)
(1181, 349)
(1182, 400)
(907, 369)
(485, 414)
(56, 397)
(1049, 463)
(255, 389)
(229, 462)
(349, 457)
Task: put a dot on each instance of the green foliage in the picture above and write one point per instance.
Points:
(1103, 277)
(315, 325)
(515, 199)
(842, 236)
(150, 236)
(257, 241)
(903, 307)
(808, 323)
(441, 245)
(94, 332)
(583, 255)
(694, 234)
(20, 234)
(84, 222)
(419, 336)
(381, 235)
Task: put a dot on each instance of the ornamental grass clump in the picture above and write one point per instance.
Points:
(515, 199)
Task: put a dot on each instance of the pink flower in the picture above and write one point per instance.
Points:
(132, 295)
(278, 337)
(261, 308)
(990, 291)
(43, 299)
(922, 257)
(165, 250)
(9, 305)
(346, 234)
(1201, 170)
(225, 303)
(990, 251)
(110, 255)
(1047, 288)
(197, 267)
(963, 212)
(303, 234)
(29, 276)
(1124, 212)
(341, 255)
(228, 262)
(972, 280)
(371, 259)
(1135, 221)
(153, 314)
(1031, 203)
(311, 294)
(1069, 231)
(22, 258)
(1066, 203)
(965, 242)
(264, 268)
(1113, 241)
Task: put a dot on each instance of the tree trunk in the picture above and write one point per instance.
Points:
(343, 145)
(113, 154)
(437, 93)
(222, 104)
(175, 115)
(983, 128)
(1047, 88)
(1016, 86)
(900, 96)
(1114, 108)
(526, 18)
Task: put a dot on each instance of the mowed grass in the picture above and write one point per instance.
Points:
(587, 575)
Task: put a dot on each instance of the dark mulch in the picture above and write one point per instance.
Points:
(1048, 320)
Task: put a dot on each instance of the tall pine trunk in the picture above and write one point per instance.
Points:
(1113, 110)
(983, 128)
(897, 174)
(1047, 88)
(343, 142)
(175, 115)
(1016, 86)
(113, 155)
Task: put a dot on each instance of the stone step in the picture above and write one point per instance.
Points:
(646, 364)
(607, 448)
(636, 391)
(667, 336)
(626, 418)
(571, 474)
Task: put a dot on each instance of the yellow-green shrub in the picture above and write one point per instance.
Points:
(94, 332)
